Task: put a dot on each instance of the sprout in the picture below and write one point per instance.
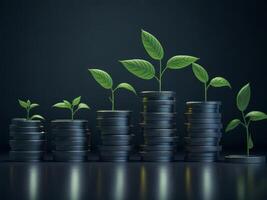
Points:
(203, 76)
(242, 101)
(27, 105)
(145, 70)
(73, 106)
(105, 80)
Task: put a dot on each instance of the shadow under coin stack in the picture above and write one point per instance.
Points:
(159, 126)
(204, 131)
(27, 140)
(71, 139)
(115, 130)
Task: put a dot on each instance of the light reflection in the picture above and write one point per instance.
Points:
(240, 188)
(143, 184)
(208, 181)
(119, 190)
(163, 182)
(245, 183)
(251, 179)
(74, 183)
(200, 181)
(33, 182)
(188, 182)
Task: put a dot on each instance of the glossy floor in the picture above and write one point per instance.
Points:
(134, 180)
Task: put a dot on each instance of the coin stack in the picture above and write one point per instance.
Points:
(204, 131)
(71, 139)
(115, 130)
(158, 126)
(27, 140)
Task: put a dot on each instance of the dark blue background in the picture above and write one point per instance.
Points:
(47, 46)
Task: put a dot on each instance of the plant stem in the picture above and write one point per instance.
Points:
(112, 99)
(156, 78)
(206, 88)
(72, 114)
(247, 132)
(28, 113)
(160, 75)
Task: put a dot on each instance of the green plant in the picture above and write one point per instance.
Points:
(73, 106)
(242, 101)
(105, 80)
(203, 76)
(145, 70)
(27, 105)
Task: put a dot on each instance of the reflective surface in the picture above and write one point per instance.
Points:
(96, 180)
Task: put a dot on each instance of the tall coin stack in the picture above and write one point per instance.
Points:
(204, 131)
(115, 130)
(27, 140)
(71, 139)
(158, 126)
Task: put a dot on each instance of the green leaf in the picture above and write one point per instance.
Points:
(37, 117)
(23, 104)
(152, 45)
(181, 61)
(243, 98)
(250, 142)
(219, 82)
(60, 105)
(256, 115)
(34, 105)
(126, 86)
(76, 101)
(232, 125)
(28, 102)
(67, 103)
(83, 106)
(102, 78)
(200, 73)
(140, 68)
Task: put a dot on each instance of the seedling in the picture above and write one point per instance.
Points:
(203, 76)
(27, 105)
(145, 70)
(105, 80)
(242, 101)
(73, 106)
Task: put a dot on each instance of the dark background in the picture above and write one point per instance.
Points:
(47, 46)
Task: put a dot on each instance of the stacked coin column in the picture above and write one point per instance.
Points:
(115, 130)
(71, 139)
(159, 126)
(27, 140)
(204, 131)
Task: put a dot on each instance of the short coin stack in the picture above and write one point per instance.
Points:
(204, 131)
(27, 140)
(159, 126)
(115, 130)
(71, 139)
